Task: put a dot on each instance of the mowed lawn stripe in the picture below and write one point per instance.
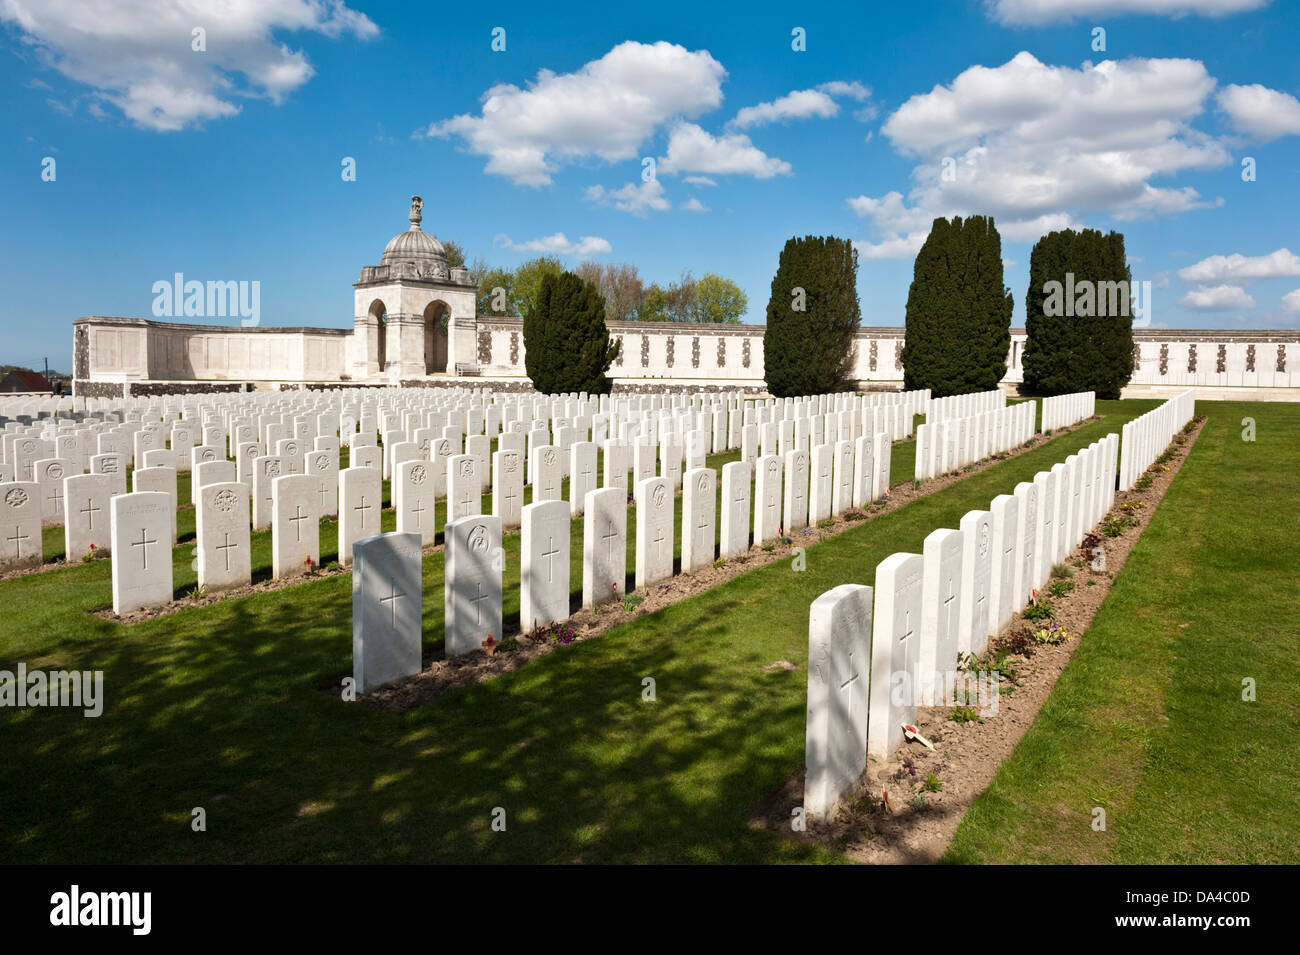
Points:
(1147, 721)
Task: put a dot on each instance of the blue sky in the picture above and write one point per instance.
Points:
(225, 164)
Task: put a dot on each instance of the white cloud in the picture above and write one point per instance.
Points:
(1039, 12)
(800, 104)
(699, 181)
(805, 104)
(1263, 113)
(1040, 147)
(1241, 268)
(636, 199)
(691, 149)
(557, 244)
(1291, 301)
(607, 109)
(138, 56)
(1217, 298)
(694, 205)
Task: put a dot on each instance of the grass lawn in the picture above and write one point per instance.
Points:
(1148, 721)
(217, 707)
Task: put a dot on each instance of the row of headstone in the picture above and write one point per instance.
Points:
(953, 443)
(963, 406)
(753, 510)
(1146, 437)
(1061, 411)
(878, 652)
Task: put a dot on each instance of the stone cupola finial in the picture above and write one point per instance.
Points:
(416, 205)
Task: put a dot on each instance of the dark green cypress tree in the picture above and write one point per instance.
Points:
(566, 341)
(812, 316)
(1078, 315)
(958, 324)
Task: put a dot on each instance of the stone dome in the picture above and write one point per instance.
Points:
(418, 248)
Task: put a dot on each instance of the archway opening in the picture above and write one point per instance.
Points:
(379, 312)
(437, 321)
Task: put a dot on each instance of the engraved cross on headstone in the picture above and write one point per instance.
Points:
(391, 600)
(144, 545)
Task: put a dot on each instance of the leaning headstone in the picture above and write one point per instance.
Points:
(699, 517)
(734, 530)
(295, 527)
(544, 550)
(142, 554)
(20, 525)
(387, 609)
(835, 747)
(604, 546)
(472, 583)
(86, 527)
(654, 531)
(895, 646)
(222, 536)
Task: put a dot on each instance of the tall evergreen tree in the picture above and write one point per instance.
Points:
(958, 324)
(812, 316)
(1078, 315)
(566, 341)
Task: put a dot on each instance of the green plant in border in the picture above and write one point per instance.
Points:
(1039, 611)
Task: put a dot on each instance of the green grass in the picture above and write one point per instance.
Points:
(218, 707)
(1147, 721)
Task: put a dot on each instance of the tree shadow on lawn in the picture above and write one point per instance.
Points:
(222, 714)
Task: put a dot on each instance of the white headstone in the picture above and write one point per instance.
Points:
(895, 646)
(295, 527)
(795, 512)
(582, 474)
(472, 582)
(360, 504)
(387, 609)
(142, 554)
(20, 525)
(464, 495)
(604, 546)
(976, 571)
(699, 518)
(940, 613)
(835, 747)
(734, 531)
(544, 581)
(86, 498)
(654, 531)
(222, 536)
(767, 499)
(1002, 580)
(413, 499)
